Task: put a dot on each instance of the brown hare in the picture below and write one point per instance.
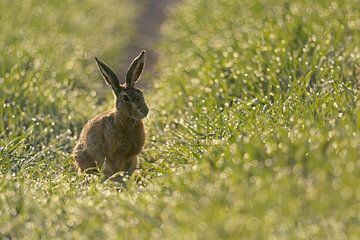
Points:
(110, 141)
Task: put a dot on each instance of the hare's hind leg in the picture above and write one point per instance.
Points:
(84, 161)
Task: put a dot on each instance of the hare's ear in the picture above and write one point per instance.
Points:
(135, 70)
(109, 76)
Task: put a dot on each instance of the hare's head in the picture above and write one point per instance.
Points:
(129, 101)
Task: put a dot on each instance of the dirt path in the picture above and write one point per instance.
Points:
(148, 34)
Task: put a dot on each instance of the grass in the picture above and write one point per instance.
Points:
(254, 131)
(46, 67)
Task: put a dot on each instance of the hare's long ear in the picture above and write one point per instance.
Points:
(135, 70)
(109, 76)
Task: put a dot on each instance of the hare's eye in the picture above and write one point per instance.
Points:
(125, 98)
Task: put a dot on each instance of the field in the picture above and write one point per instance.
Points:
(253, 131)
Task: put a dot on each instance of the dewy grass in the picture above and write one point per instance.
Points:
(253, 130)
(47, 69)
(263, 104)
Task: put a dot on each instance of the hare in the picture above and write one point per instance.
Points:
(111, 140)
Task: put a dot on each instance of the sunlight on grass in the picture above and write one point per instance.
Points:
(268, 119)
(253, 131)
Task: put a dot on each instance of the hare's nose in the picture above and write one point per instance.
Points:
(145, 111)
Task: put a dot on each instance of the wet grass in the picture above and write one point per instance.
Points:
(253, 132)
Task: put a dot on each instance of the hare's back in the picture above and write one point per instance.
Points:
(92, 134)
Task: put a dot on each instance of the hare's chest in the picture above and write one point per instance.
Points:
(127, 144)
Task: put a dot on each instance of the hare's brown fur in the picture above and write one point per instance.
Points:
(111, 141)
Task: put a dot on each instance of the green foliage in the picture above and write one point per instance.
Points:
(253, 133)
(263, 102)
(47, 71)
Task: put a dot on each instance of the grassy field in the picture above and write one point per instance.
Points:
(253, 132)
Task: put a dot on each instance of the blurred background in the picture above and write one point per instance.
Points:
(147, 36)
(253, 128)
(48, 50)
